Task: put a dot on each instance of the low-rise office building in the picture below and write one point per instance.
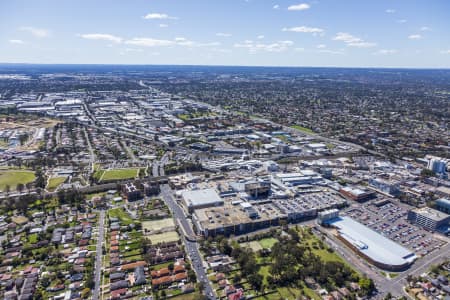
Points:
(428, 218)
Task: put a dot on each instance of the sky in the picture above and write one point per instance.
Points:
(338, 33)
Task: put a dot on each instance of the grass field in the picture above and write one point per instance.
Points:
(122, 215)
(54, 182)
(268, 242)
(301, 128)
(14, 177)
(170, 236)
(254, 245)
(156, 225)
(118, 174)
(32, 238)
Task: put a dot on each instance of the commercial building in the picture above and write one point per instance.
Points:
(196, 199)
(233, 219)
(259, 187)
(377, 249)
(437, 165)
(326, 216)
(428, 218)
(387, 187)
(443, 205)
(357, 194)
(294, 179)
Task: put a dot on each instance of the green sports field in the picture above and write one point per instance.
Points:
(14, 177)
(118, 174)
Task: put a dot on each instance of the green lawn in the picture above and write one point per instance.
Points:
(14, 177)
(268, 242)
(32, 238)
(301, 128)
(117, 174)
(54, 182)
(122, 215)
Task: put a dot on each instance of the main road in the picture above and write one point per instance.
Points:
(98, 256)
(191, 245)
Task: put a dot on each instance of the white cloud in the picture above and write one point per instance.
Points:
(37, 32)
(276, 6)
(401, 21)
(335, 52)
(17, 42)
(415, 37)
(163, 25)
(390, 11)
(362, 45)
(158, 16)
(352, 41)
(445, 51)
(252, 47)
(321, 46)
(223, 34)
(304, 29)
(301, 6)
(101, 37)
(260, 37)
(385, 52)
(425, 28)
(178, 41)
(346, 37)
(133, 50)
(299, 49)
(149, 42)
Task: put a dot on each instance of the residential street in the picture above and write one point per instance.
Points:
(98, 256)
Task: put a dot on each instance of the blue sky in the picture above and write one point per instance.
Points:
(344, 33)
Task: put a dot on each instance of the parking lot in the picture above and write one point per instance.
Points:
(390, 220)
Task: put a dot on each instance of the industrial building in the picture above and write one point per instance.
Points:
(203, 198)
(377, 249)
(428, 218)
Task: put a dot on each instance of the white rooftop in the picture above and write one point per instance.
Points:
(373, 244)
(201, 197)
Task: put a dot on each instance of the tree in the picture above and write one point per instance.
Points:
(170, 267)
(256, 281)
(20, 187)
(366, 284)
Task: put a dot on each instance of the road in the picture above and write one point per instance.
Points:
(129, 151)
(98, 256)
(91, 151)
(191, 246)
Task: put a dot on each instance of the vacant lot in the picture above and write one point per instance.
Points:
(118, 174)
(54, 182)
(14, 177)
(170, 236)
(122, 215)
(157, 225)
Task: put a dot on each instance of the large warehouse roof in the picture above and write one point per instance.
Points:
(204, 197)
(372, 244)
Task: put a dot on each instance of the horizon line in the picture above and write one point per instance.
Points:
(219, 65)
